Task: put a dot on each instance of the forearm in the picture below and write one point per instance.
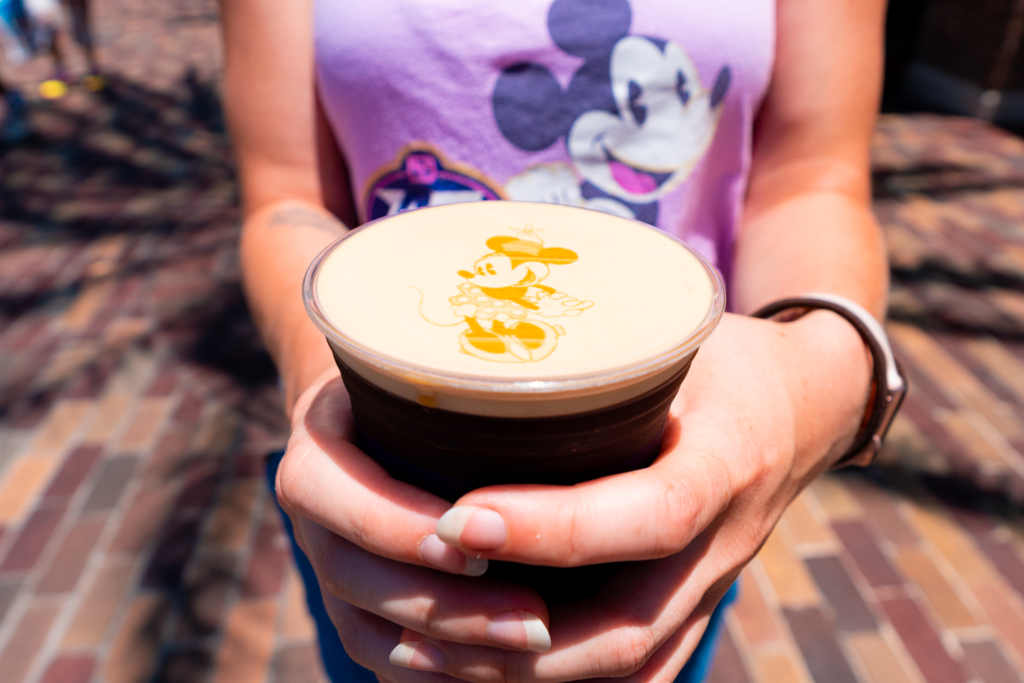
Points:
(808, 225)
(281, 143)
(819, 239)
(279, 241)
(805, 235)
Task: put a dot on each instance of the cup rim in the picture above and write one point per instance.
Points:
(505, 387)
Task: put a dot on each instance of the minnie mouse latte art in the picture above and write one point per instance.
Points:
(506, 293)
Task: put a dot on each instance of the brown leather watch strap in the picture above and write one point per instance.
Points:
(875, 424)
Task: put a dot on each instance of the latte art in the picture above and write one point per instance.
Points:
(499, 307)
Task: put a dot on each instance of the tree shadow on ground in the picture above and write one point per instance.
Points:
(941, 180)
(950, 271)
(88, 156)
(154, 169)
(979, 507)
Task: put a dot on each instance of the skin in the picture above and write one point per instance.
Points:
(765, 409)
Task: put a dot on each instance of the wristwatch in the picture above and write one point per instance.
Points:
(888, 382)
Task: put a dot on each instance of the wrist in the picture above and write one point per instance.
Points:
(279, 240)
(305, 391)
(304, 360)
(835, 376)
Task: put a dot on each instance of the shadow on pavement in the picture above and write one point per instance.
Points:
(147, 176)
(88, 154)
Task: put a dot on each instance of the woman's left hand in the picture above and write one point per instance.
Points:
(766, 408)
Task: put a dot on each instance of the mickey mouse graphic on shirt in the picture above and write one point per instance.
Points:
(635, 117)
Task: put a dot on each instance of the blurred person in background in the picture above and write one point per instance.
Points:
(13, 29)
(47, 19)
(28, 27)
(81, 29)
(327, 100)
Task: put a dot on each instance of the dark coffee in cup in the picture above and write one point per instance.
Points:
(510, 342)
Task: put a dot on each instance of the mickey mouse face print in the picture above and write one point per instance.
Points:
(636, 117)
(664, 121)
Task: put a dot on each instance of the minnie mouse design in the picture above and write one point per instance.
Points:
(505, 289)
(636, 118)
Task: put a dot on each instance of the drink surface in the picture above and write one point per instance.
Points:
(514, 291)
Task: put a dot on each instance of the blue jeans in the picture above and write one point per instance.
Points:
(341, 669)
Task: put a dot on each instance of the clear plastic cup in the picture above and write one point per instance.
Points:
(510, 342)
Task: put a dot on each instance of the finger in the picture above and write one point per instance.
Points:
(644, 622)
(588, 643)
(663, 664)
(369, 641)
(324, 477)
(645, 514)
(666, 663)
(439, 605)
(674, 653)
(669, 659)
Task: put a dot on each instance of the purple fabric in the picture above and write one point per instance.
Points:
(643, 108)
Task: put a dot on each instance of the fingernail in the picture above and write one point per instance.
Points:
(472, 527)
(419, 656)
(437, 553)
(520, 630)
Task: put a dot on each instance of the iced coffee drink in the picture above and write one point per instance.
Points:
(508, 342)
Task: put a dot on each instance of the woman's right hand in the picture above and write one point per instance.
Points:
(371, 541)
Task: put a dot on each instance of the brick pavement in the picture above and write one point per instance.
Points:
(137, 541)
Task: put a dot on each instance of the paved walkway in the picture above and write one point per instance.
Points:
(137, 541)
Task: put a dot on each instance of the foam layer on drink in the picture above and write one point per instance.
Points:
(500, 308)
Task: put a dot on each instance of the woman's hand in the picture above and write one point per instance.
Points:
(766, 407)
(371, 541)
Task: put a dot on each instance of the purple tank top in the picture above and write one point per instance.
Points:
(641, 108)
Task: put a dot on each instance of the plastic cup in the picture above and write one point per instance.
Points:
(510, 342)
